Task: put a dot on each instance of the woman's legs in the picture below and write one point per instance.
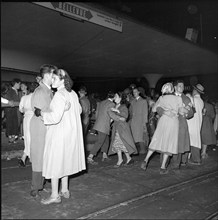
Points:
(64, 188)
(204, 154)
(64, 184)
(163, 169)
(54, 198)
(128, 158)
(163, 165)
(120, 159)
(54, 187)
(145, 162)
(150, 152)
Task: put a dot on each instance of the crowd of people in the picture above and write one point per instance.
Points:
(54, 122)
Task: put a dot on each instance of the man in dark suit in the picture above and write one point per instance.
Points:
(11, 113)
(183, 139)
(102, 126)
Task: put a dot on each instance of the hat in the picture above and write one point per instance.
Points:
(199, 88)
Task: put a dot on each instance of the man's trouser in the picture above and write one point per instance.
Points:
(101, 143)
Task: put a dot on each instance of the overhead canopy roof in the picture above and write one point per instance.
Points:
(32, 35)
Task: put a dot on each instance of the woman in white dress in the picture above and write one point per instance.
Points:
(25, 108)
(165, 138)
(64, 149)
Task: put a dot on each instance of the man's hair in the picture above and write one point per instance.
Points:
(32, 87)
(176, 82)
(47, 68)
(110, 94)
(83, 88)
(15, 81)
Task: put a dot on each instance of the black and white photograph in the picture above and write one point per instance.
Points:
(109, 109)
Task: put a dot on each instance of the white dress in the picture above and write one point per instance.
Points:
(165, 138)
(25, 107)
(64, 149)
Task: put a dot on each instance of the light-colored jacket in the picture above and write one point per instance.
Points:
(194, 124)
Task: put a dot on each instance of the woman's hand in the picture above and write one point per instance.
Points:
(122, 119)
(183, 111)
(170, 113)
(115, 110)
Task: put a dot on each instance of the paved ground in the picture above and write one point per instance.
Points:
(124, 193)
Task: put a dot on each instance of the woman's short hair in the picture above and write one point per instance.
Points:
(68, 82)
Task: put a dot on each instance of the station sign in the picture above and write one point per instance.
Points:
(85, 14)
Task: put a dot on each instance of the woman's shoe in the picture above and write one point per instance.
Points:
(66, 194)
(118, 165)
(51, 200)
(106, 159)
(21, 163)
(129, 163)
(91, 161)
(163, 171)
(144, 165)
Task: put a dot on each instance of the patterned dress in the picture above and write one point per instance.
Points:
(121, 138)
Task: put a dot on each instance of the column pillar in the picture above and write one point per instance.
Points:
(152, 79)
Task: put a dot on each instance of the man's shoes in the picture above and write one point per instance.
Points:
(91, 161)
(66, 194)
(34, 193)
(21, 163)
(163, 171)
(194, 163)
(51, 200)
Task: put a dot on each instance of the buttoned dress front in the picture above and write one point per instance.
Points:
(64, 149)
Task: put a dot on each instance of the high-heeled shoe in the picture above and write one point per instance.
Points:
(144, 165)
(21, 163)
(118, 165)
(129, 163)
(51, 200)
(106, 159)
